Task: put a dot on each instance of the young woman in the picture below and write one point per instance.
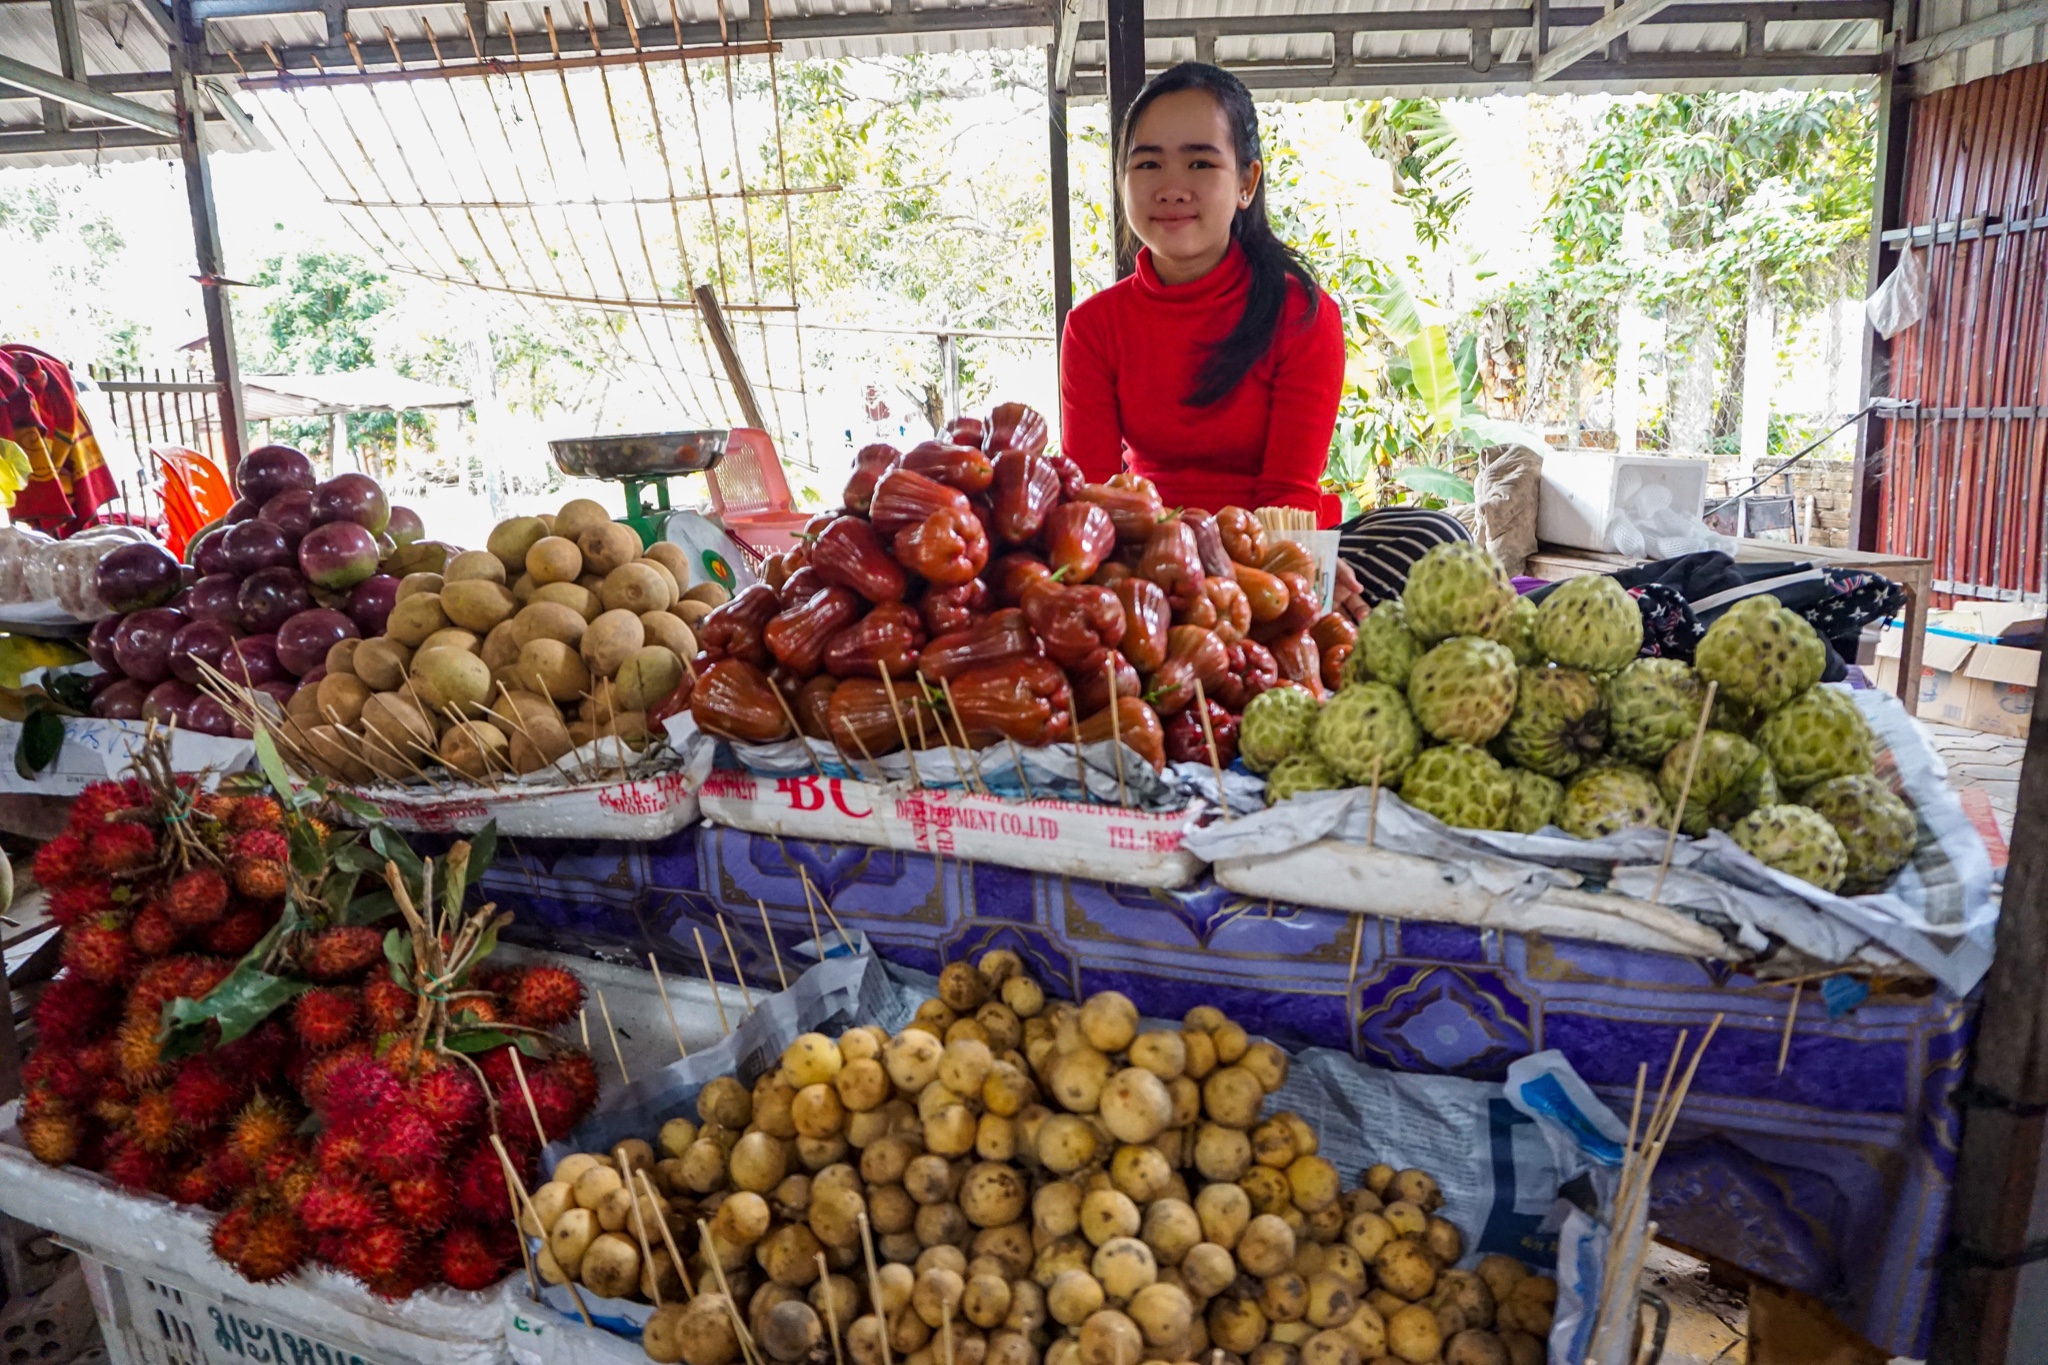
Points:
(1215, 368)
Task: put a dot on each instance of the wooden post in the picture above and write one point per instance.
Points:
(1995, 1216)
(186, 54)
(1126, 62)
(729, 355)
(1894, 106)
(1062, 225)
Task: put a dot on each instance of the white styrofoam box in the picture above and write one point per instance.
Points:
(1585, 492)
(95, 750)
(1065, 838)
(650, 807)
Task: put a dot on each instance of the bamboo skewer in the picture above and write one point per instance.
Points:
(1692, 766)
(769, 933)
(902, 730)
(583, 1020)
(946, 1329)
(796, 731)
(1791, 1018)
(946, 686)
(1080, 764)
(512, 1178)
(746, 1338)
(640, 1228)
(1017, 756)
(668, 1238)
(810, 891)
(525, 1252)
(662, 987)
(1357, 947)
(867, 1242)
(817, 936)
(532, 1109)
(1209, 734)
(724, 1026)
(1372, 811)
(746, 994)
(618, 1054)
(831, 1313)
(1116, 734)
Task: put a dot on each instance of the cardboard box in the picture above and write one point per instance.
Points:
(1942, 680)
(1965, 678)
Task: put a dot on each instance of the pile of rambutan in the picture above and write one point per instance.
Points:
(353, 1126)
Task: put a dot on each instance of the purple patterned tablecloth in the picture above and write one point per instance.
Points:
(1832, 1178)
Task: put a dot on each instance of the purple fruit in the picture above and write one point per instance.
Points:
(142, 646)
(198, 646)
(137, 577)
(99, 644)
(244, 510)
(338, 554)
(206, 715)
(405, 526)
(253, 545)
(313, 676)
(167, 702)
(303, 641)
(290, 512)
(212, 598)
(121, 701)
(269, 470)
(269, 598)
(371, 603)
(208, 552)
(253, 662)
(279, 690)
(188, 574)
(351, 497)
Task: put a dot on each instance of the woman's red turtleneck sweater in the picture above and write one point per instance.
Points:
(1130, 357)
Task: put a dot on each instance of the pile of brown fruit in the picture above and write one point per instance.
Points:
(1017, 1181)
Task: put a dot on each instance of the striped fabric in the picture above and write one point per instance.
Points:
(1382, 545)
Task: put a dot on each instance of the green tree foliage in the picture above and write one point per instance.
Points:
(1739, 189)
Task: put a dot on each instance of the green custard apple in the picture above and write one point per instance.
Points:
(1559, 721)
(1817, 735)
(1652, 704)
(1794, 840)
(1877, 828)
(1536, 802)
(1590, 623)
(1463, 691)
(1733, 778)
(1366, 733)
(1300, 773)
(1277, 724)
(1761, 653)
(1461, 785)
(1609, 799)
(1456, 589)
(1517, 630)
(1386, 650)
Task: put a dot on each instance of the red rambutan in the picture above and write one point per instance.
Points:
(141, 1056)
(71, 1010)
(212, 808)
(198, 898)
(197, 1185)
(284, 1160)
(404, 1143)
(388, 1005)
(260, 879)
(63, 859)
(260, 1128)
(326, 1017)
(340, 1154)
(480, 1193)
(103, 799)
(74, 901)
(205, 1094)
(121, 848)
(407, 1058)
(154, 932)
(99, 949)
(545, 997)
(273, 1248)
(295, 1185)
(230, 1169)
(473, 1010)
(255, 812)
(238, 931)
(423, 1203)
(575, 1067)
(451, 1099)
(52, 1137)
(153, 1122)
(58, 1071)
(342, 1204)
(231, 1232)
(101, 1059)
(357, 1092)
(157, 985)
(133, 1166)
(334, 954)
(258, 846)
(377, 1255)
(469, 1262)
(557, 1103)
(262, 1054)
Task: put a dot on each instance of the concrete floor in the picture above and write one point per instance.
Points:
(1985, 770)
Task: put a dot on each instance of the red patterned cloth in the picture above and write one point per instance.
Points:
(40, 412)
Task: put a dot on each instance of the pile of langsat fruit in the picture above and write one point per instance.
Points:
(1017, 1181)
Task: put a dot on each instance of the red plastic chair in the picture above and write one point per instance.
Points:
(750, 494)
(196, 493)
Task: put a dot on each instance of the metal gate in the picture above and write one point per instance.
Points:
(1964, 470)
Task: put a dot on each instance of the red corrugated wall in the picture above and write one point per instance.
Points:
(1966, 481)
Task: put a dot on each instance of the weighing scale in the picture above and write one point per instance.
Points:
(749, 496)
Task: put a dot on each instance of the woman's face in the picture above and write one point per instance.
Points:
(1182, 184)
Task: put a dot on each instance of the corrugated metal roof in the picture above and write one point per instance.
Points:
(117, 43)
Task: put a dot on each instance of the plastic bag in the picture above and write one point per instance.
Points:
(1901, 300)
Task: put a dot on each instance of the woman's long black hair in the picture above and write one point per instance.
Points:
(1272, 261)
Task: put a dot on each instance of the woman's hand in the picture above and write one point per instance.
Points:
(1350, 594)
